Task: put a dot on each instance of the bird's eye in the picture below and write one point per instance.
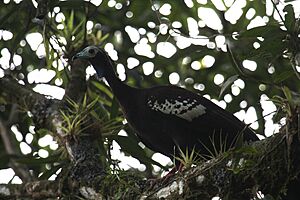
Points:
(91, 51)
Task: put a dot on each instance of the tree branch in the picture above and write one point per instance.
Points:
(32, 190)
(266, 166)
(239, 175)
(83, 151)
(20, 169)
(77, 85)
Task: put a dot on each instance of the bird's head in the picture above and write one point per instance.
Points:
(97, 57)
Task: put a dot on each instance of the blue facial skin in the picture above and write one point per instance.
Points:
(82, 55)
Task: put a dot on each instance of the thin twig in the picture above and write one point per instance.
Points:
(20, 169)
(282, 20)
(158, 16)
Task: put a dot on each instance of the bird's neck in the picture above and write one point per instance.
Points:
(119, 88)
(124, 93)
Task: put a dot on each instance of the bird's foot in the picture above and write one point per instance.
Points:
(165, 179)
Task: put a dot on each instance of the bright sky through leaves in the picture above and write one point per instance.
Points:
(207, 17)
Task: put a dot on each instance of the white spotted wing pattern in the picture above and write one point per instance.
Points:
(187, 109)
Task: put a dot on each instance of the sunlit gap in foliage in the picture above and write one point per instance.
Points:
(142, 40)
(25, 142)
(127, 162)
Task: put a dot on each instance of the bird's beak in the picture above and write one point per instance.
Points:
(80, 55)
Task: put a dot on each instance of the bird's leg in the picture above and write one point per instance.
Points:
(180, 167)
(177, 168)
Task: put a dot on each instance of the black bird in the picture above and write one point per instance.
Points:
(169, 118)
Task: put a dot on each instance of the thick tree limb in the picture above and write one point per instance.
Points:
(13, 92)
(77, 85)
(86, 167)
(38, 105)
(44, 110)
(266, 166)
(32, 190)
(241, 174)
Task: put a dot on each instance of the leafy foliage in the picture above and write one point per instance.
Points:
(128, 28)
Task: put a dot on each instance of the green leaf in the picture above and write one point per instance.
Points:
(71, 21)
(290, 20)
(2, 101)
(269, 49)
(140, 8)
(43, 131)
(78, 28)
(227, 83)
(287, 93)
(283, 76)
(262, 31)
(100, 99)
(103, 89)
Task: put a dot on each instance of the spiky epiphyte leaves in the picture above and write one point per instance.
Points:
(288, 103)
(75, 118)
(187, 157)
(79, 117)
(218, 148)
(218, 145)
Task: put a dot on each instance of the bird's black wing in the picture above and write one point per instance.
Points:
(175, 101)
(194, 109)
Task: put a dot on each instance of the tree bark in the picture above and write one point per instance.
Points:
(265, 167)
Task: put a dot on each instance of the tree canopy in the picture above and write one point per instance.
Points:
(242, 54)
